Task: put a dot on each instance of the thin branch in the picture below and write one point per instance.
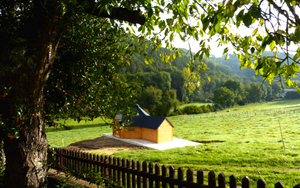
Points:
(294, 13)
(201, 6)
(118, 13)
(282, 11)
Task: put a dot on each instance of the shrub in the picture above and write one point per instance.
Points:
(218, 107)
(208, 100)
(193, 109)
(173, 113)
(205, 109)
(242, 103)
(210, 107)
(179, 111)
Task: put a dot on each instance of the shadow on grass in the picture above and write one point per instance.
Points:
(70, 127)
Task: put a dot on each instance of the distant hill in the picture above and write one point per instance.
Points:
(156, 73)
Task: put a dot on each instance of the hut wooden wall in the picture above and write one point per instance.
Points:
(149, 134)
(165, 132)
(132, 133)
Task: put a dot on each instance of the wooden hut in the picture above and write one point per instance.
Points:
(152, 128)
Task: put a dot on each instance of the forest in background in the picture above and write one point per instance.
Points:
(164, 88)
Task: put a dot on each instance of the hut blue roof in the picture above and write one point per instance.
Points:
(145, 120)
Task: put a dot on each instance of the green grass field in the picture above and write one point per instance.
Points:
(245, 141)
(74, 132)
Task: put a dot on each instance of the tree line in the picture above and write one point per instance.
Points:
(164, 86)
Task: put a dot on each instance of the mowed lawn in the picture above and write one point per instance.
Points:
(245, 142)
(75, 132)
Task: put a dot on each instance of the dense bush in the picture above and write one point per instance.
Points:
(218, 107)
(205, 109)
(210, 107)
(192, 109)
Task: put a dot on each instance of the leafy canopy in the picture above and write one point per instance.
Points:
(84, 82)
(275, 25)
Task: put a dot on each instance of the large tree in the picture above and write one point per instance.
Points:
(224, 97)
(237, 88)
(30, 34)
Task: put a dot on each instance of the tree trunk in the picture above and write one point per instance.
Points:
(24, 157)
(25, 68)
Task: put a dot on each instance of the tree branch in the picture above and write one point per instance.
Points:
(132, 16)
(281, 11)
(294, 13)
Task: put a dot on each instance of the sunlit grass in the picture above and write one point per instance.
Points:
(244, 141)
(74, 132)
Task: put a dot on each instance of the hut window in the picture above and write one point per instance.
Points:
(131, 129)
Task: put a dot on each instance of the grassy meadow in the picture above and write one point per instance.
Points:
(75, 132)
(244, 141)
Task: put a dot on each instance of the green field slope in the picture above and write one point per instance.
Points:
(245, 141)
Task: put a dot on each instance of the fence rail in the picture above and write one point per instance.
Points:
(132, 174)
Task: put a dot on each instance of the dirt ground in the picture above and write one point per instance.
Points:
(103, 145)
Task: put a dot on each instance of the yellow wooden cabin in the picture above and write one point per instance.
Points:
(152, 128)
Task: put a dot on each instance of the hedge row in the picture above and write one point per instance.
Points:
(193, 109)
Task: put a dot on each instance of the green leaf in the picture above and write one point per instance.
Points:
(208, 78)
(296, 56)
(171, 36)
(218, 27)
(247, 19)
(272, 45)
(275, 57)
(226, 57)
(150, 13)
(255, 12)
(239, 18)
(261, 21)
(297, 32)
(225, 50)
(288, 83)
(254, 32)
(205, 23)
(258, 37)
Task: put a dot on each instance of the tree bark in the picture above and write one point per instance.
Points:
(25, 68)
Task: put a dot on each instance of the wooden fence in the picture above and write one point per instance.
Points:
(132, 174)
